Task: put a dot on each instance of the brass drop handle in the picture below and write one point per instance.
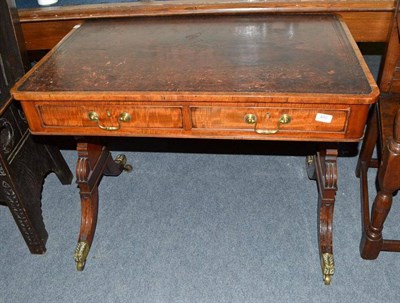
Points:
(252, 119)
(123, 117)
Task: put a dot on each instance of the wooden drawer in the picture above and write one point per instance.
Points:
(109, 116)
(267, 119)
(304, 122)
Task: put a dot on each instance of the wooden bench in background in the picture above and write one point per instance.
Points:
(368, 20)
(383, 133)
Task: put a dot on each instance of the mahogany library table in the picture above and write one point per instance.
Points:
(260, 77)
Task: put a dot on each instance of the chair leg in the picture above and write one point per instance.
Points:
(388, 181)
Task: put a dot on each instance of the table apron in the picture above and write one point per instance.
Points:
(259, 121)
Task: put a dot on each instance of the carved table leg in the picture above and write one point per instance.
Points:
(323, 168)
(94, 161)
(372, 241)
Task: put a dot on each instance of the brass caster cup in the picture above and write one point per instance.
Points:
(80, 254)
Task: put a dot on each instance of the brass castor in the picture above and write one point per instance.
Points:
(121, 160)
(80, 254)
(328, 267)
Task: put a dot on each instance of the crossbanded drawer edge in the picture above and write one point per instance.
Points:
(142, 116)
(304, 119)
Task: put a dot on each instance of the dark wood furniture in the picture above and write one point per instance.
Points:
(383, 133)
(384, 127)
(368, 21)
(23, 162)
(264, 77)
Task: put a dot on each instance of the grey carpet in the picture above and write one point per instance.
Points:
(200, 225)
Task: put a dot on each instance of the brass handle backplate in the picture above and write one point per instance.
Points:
(123, 117)
(252, 119)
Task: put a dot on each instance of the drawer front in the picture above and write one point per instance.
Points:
(300, 122)
(264, 119)
(113, 117)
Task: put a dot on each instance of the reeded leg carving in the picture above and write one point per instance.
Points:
(372, 241)
(94, 160)
(323, 168)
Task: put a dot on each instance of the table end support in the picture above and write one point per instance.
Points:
(94, 161)
(323, 168)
